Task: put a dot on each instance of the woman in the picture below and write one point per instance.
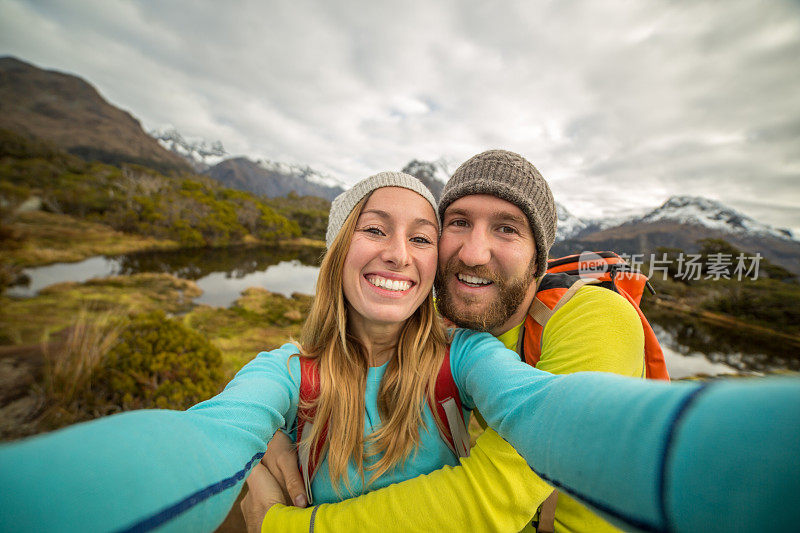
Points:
(373, 335)
(374, 338)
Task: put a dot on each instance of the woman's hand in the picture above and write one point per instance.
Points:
(281, 461)
(263, 491)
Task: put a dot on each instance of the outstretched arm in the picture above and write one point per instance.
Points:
(147, 469)
(644, 453)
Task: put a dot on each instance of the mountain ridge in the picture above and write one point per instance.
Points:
(69, 112)
(691, 210)
(199, 153)
(248, 175)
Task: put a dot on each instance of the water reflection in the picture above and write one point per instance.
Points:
(724, 350)
(222, 289)
(36, 279)
(236, 262)
(222, 273)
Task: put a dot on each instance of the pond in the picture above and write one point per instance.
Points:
(691, 347)
(222, 273)
(694, 347)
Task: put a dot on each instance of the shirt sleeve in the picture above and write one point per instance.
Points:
(180, 470)
(644, 453)
(492, 490)
(597, 330)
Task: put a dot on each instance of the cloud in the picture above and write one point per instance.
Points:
(619, 104)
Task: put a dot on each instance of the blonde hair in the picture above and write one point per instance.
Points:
(343, 363)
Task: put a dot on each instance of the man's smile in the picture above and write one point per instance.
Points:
(473, 281)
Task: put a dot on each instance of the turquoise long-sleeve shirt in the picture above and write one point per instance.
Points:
(431, 455)
(652, 456)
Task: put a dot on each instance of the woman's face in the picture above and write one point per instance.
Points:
(390, 267)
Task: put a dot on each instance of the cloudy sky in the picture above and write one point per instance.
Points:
(619, 104)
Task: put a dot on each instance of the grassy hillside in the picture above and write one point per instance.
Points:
(184, 211)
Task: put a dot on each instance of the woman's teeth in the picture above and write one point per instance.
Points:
(389, 284)
(472, 280)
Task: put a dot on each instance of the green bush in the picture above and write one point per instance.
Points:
(768, 302)
(193, 210)
(159, 362)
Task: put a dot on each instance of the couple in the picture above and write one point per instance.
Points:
(647, 456)
(498, 223)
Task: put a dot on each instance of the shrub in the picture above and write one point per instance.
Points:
(767, 302)
(159, 362)
(105, 364)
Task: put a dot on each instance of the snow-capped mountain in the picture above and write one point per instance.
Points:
(268, 178)
(200, 153)
(301, 171)
(682, 222)
(434, 174)
(713, 215)
(568, 224)
(693, 210)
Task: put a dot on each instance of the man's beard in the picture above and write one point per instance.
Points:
(510, 295)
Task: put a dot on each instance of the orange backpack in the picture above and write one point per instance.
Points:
(565, 276)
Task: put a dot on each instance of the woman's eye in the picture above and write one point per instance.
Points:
(374, 231)
(421, 240)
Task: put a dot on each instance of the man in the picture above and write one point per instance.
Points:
(498, 224)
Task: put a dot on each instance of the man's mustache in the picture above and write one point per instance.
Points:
(455, 266)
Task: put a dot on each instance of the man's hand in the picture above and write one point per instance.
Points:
(262, 493)
(281, 461)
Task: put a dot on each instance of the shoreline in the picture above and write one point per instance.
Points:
(49, 238)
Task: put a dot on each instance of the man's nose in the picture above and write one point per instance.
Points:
(396, 252)
(474, 249)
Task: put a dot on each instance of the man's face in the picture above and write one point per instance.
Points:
(486, 263)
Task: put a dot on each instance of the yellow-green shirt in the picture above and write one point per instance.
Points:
(494, 489)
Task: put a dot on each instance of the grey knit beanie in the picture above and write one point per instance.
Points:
(345, 202)
(512, 178)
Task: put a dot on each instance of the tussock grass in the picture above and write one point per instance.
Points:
(71, 364)
(24, 321)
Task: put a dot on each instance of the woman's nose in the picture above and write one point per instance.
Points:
(397, 252)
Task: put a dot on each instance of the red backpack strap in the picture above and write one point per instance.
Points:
(309, 392)
(655, 366)
(447, 404)
(544, 306)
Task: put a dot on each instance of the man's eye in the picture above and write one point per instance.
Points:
(460, 222)
(508, 229)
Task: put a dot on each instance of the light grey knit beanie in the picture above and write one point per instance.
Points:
(345, 202)
(512, 178)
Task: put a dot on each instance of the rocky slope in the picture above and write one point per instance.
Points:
(69, 112)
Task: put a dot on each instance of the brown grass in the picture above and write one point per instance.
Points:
(52, 238)
(23, 321)
(69, 366)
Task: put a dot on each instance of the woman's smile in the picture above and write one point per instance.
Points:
(389, 283)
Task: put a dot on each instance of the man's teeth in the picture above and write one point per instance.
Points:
(389, 284)
(472, 280)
